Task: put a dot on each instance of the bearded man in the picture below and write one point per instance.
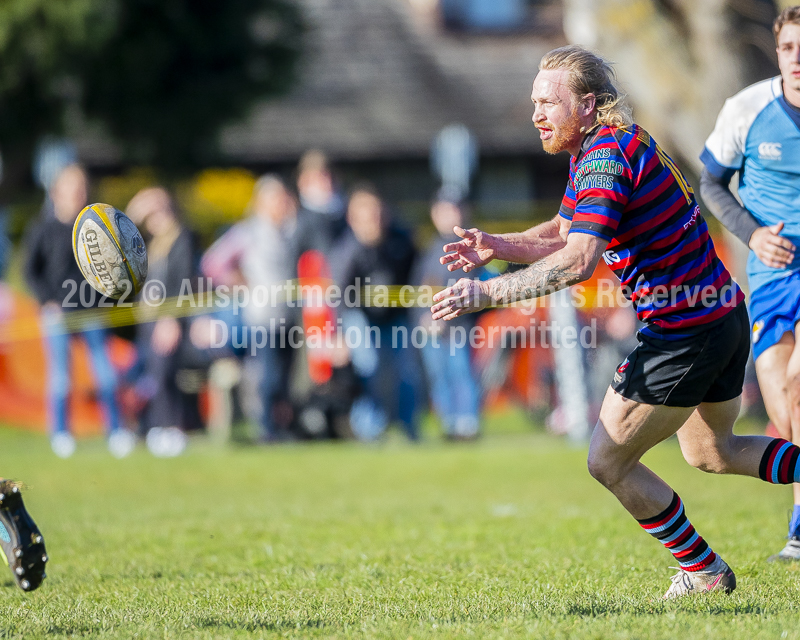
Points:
(627, 202)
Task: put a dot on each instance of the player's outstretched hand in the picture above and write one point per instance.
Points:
(773, 250)
(474, 250)
(465, 296)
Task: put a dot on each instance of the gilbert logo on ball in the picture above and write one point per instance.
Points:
(110, 251)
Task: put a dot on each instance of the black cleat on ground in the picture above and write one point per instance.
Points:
(21, 544)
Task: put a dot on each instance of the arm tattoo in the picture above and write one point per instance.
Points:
(539, 279)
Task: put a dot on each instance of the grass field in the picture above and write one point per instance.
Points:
(506, 538)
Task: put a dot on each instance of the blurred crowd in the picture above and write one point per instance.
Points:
(196, 371)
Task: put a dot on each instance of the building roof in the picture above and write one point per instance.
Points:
(380, 78)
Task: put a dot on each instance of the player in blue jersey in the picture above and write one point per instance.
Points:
(628, 203)
(757, 135)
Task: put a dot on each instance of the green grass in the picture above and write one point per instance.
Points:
(506, 538)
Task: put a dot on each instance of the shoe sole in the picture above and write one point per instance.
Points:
(779, 558)
(21, 542)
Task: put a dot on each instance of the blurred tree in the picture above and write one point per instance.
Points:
(171, 72)
(35, 38)
(162, 75)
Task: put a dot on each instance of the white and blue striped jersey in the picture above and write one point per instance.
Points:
(758, 134)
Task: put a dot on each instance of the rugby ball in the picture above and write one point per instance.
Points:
(110, 251)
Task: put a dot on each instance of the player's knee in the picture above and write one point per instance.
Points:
(603, 469)
(707, 459)
(709, 464)
(793, 388)
(596, 468)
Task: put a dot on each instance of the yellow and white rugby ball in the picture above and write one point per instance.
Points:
(110, 251)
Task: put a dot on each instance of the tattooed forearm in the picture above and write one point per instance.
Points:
(539, 279)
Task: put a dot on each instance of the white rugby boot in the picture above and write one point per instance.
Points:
(717, 576)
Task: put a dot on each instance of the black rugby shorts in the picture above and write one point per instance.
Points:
(707, 367)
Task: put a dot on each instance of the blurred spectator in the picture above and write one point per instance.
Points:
(166, 354)
(55, 279)
(322, 206)
(453, 387)
(261, 253)
(375, 252)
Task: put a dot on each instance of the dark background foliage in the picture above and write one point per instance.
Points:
(162, 76)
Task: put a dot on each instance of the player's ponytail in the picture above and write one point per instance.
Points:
(589, 73)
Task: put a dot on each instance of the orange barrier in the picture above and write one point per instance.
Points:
(23, 371)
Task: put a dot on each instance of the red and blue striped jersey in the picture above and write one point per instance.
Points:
(625, 190)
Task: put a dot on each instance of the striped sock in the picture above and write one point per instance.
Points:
(780, 463)
(672, 528)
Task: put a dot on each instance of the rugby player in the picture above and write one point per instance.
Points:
(757, 136)
(628, 203)
(21, 543)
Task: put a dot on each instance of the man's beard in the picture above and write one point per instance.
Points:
(566, 136)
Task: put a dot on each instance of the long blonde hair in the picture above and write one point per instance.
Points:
(589, 73)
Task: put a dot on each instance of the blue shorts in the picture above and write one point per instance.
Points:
(774, 309)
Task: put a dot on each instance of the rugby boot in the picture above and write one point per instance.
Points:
(717, 576)
(789, 553)
(21, 543)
